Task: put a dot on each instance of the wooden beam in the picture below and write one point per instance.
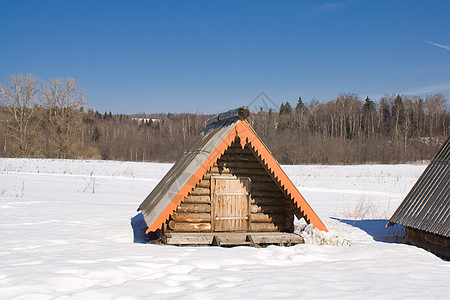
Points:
(270, 201)
(232, 238)
(261, 178)
(263, 227)
(244, 157)
(188, 238)
(204, 184)
(203, 199)
(277, 238)
(193, 208)
(268, 218)
(268, 194)
(238, 164)
(267, 186)
(220, 170)
(189, 227)
(191, 217)
(267, 208)
(200, 191)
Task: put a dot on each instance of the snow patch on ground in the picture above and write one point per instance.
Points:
(65, 234)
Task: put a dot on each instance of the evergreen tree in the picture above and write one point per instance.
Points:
(300, 106)
(368, 117)
(398, 113)
(368, 106)
(282, 109)
(385, 116)
(96, 135)
(287, 108)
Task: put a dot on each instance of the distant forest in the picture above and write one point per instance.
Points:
(50, 120)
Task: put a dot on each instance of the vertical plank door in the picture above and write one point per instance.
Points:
(231, 203)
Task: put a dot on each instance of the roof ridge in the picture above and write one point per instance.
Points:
(240, 113)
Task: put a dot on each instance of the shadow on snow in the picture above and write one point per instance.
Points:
(139, 228)
(376, 228)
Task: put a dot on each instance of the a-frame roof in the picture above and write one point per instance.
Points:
(427, 205)
(187, 172)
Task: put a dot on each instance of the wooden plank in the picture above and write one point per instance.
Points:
(220, 170)
(189, 227)
(261, 178)
(213, 204)
(268, 218)
(204, 184)
(235, 238)
(242, 113)
(231, 239)
(268, 194)
(227, 156)
(268, 209)
(270, 187)
(191, 217)
(238, 164)
(280, 238)
(198, 191)
(289, 204)
(270, 201)
(193, 208)
(203, 199)
(437, 244)
(187, 239)
(267, 227)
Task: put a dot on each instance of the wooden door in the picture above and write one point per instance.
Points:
(230, 196)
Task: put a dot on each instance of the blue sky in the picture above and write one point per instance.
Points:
(210, 56)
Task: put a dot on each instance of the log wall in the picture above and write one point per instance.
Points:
(437, 244)
(270, 209)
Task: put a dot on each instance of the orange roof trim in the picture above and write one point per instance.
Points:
(246, 134)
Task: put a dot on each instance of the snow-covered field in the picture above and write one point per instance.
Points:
(65, 234)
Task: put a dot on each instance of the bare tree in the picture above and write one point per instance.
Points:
(435, 107)
(63, 99)
(21, 100)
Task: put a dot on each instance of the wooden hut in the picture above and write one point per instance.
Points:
(425, 212)
(226, 190)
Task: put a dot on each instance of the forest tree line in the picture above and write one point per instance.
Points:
(50, 120)
(348, 130)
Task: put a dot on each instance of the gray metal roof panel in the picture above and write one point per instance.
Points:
(184, 169)
(427, 205)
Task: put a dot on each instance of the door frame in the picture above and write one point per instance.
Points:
(213, 202)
